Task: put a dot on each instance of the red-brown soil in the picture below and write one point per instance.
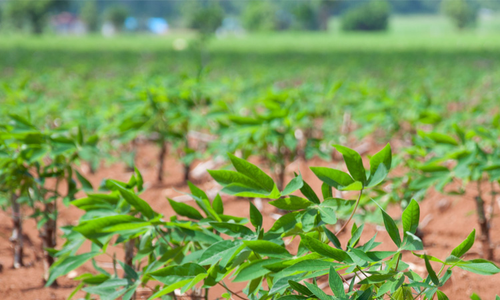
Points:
(447, 226)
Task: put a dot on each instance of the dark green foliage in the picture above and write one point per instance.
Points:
(116, 14)
(371, 16)
(260, 16)
(30, 159)
(306, 16)
(204, 18)
(34, 13)
(475, 158)
(210, 248)
(90, 15)
(463, 13)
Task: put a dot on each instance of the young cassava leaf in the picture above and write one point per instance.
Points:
(295, 184)
(185, 210)
(391, 228)
(353, 162)
(267, 248)
(332, 177)
(411, 217)
(336, 283)
(255, 216)
(380, 164)
(291, 203)
(461, 249)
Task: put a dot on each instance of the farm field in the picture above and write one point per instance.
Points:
(93, 108)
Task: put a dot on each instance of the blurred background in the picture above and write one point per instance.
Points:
(171, 86)
(237, 17)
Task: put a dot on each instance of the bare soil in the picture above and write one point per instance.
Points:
(449, 220)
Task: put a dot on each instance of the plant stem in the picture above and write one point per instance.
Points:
(163, 237)
(114, 265)
(492, 203)
(233, 293)
(352, 214)
(483, 224)
(129, 252)
(187, 165)
(397, 262)
(48, 235)
(161, 158)
(17, 232)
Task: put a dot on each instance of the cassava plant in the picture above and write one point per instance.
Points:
(34, 166)
(470, 158)
(271, 130)
(198, 248)
(165, 117)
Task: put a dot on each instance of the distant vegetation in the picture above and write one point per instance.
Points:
(265, 15)
(370, 16)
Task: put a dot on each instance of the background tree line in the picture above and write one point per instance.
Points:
(254, 15)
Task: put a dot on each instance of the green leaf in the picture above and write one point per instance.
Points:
(325, 250)
(185, 210)
(380, 164)
(336, 283)
(197, 192)
(411, 217)
(412, 242)
(332, 237)
(267, 248)
(441, 296)
(136, 202)
(140, 180)
(432, 273)
(232, 229)
(441, 138)
(78, 288)
(217, 205)
(355, 186)
(479, 266)
(308, 265)
(432, 167)
(376, 278)
(309, 193)
(429, 257)
(170, 288)
(391, 228)
(291, 203)
(355, 236)
(300, 288)
(237, 184)
(255, 216)
(332, 177)
(253, 172)
(327, 211)
(254, 285)
(68, 264)
(317, 291)
(326, 191)
(285, 223)
(217, 251)
(94, 227)
(461, 249)
(86, 185)
(474, 296)
(354, 163)
(295, 184)
(404, 293)
(254, 270)
(185, 270)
